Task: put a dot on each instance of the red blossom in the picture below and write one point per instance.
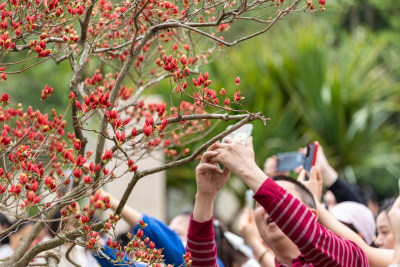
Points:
(237, 96)
(147, 130)
(237, 80)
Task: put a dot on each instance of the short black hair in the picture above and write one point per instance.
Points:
(306, 196)
(386, 205)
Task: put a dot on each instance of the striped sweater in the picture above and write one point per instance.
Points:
(319, 246)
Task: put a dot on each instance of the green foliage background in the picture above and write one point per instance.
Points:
(316, 80)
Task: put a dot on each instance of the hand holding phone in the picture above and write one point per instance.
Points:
(291, 160)
(241, 134)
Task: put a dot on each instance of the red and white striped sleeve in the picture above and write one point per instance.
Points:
(201, 243)
(318, 245)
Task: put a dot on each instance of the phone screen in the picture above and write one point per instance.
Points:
(241, 134)
(289, 161)
(249, 200)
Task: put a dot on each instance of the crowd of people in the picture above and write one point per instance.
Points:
(315, 219)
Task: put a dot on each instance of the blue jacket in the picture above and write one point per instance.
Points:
(163, 238)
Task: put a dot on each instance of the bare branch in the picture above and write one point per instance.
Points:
(140, 91)
(140, 174)
(19, 48)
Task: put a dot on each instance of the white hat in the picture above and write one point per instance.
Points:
(357, 215)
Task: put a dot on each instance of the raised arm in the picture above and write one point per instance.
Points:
(318, 245)
(158, 232)
(340, 189)
(376, 257)
(248, 230)
(130, 215)
(209, 179)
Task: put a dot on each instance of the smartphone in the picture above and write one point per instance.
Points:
(249, 200)
(241, 134)
(311, 156)
(289, 161)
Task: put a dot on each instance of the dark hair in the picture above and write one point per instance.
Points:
(123, 239)
(386, 205)
(306, 197)
(53, 225)
(367, 193)
(4, 222)
(225, 251)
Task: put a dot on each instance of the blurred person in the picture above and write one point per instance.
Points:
(286, 218)
(231, 248)
(385, 236)
(14, 237)
(394, 219)
(249, 231)
(341, 190)
(171, 238)
(358, 218)
(369, 196)
(376, 257)
(4, 224)
(78, 254)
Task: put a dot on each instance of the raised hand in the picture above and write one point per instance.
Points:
(248, 228)
(209, 179)
(271, 165)
(314, 184)
(239, 159)
(209, 176)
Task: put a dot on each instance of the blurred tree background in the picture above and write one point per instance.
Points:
(331, 76)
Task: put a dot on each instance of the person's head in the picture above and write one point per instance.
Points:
(180, 225)
(4, 224)
(357, 217)
(21, 231)
(229, 246)
(269, 231)
(368, 194)
(385, 235)
(330, 199)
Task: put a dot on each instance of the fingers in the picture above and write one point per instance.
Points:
(302, 176)
(207, 167)
(251, 216)
(298, 169)
(226, 171)
(249, 143)
(228, 139)
(302, 150)
(207, 155)
(315, 174)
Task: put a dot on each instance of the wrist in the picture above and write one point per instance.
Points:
(203, 207)
(253, 241)
(205, 197)
(254, 177)
(396, 257)
(329, 175)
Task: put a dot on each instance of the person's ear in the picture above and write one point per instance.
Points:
(315, 212)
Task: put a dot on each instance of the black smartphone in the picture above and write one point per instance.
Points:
(311, 156)
(241, 134)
